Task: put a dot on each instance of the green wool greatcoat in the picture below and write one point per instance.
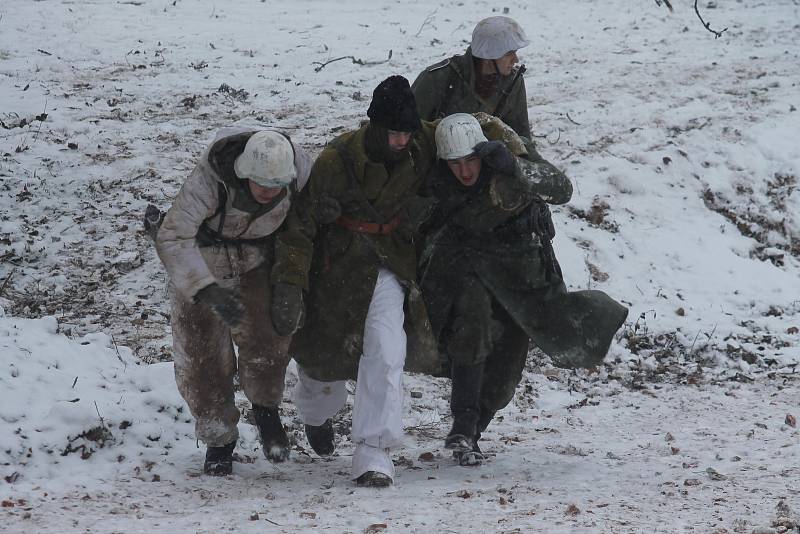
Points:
(449, 87)
(338, 267)
(479, 237)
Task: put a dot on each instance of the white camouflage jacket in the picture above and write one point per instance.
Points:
(192, 267)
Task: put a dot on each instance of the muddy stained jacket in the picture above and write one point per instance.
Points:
(337, 266)
(192, 263)
(449, 87)
(481, 231)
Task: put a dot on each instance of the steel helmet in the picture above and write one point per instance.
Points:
(494, 37)
(267, 159)
(457, 135)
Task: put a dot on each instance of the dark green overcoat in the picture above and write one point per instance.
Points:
(449, 87)
(482, 235)
(338, 267)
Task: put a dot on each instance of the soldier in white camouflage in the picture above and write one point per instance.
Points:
(216, 243)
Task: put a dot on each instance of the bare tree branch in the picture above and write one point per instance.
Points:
(707, 25)
(355, 60)
(427, 21)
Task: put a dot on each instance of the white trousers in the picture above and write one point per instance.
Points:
(378, 407)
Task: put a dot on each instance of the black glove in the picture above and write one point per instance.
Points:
(152, 221)
(287, 308)
(225, 303)
(497, 156)
(327, 209)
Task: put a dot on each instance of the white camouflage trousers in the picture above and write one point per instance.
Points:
(378, 407)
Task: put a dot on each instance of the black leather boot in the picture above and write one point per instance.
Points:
(219, 460)
(465, 407)
(321, 438)
(274, 440)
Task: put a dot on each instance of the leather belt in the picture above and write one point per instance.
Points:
(368, 227)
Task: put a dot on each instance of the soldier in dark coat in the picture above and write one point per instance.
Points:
(483, 79)
(490, 279)
(347, 246)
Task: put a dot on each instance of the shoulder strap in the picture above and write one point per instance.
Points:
(222, 193)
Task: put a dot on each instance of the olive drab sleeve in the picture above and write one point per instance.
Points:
(535, 174)
(294, 244)
(496, 130)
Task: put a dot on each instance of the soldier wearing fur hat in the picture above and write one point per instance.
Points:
(483, 79)
(216, 243)
(344, 279)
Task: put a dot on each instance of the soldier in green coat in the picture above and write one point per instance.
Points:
(483, 79)
(347, 247)
(490, 279)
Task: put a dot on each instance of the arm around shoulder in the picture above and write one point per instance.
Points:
(294, 243)
(544, 178)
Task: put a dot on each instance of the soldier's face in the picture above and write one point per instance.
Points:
(466, 170)
(506, 63)
(263, 195)
(398, 141)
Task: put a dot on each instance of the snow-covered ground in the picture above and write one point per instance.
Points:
(685, 157)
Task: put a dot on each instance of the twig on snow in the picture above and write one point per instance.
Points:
(355, 60)
(695, 341)
(268, 520)
(119, 356)
(6, 281)
(102, 421)
(428, 20)
(666, 3)
(707, 25)
(41, 118)
(570, 119)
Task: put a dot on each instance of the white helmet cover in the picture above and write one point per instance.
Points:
(494, 37)
(457, 135)
(267, 159)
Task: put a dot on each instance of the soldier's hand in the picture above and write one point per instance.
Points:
(497, 156)
(225, 303)
(287, 308)
(152, 221)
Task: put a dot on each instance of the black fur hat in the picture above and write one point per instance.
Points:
(393, 105)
